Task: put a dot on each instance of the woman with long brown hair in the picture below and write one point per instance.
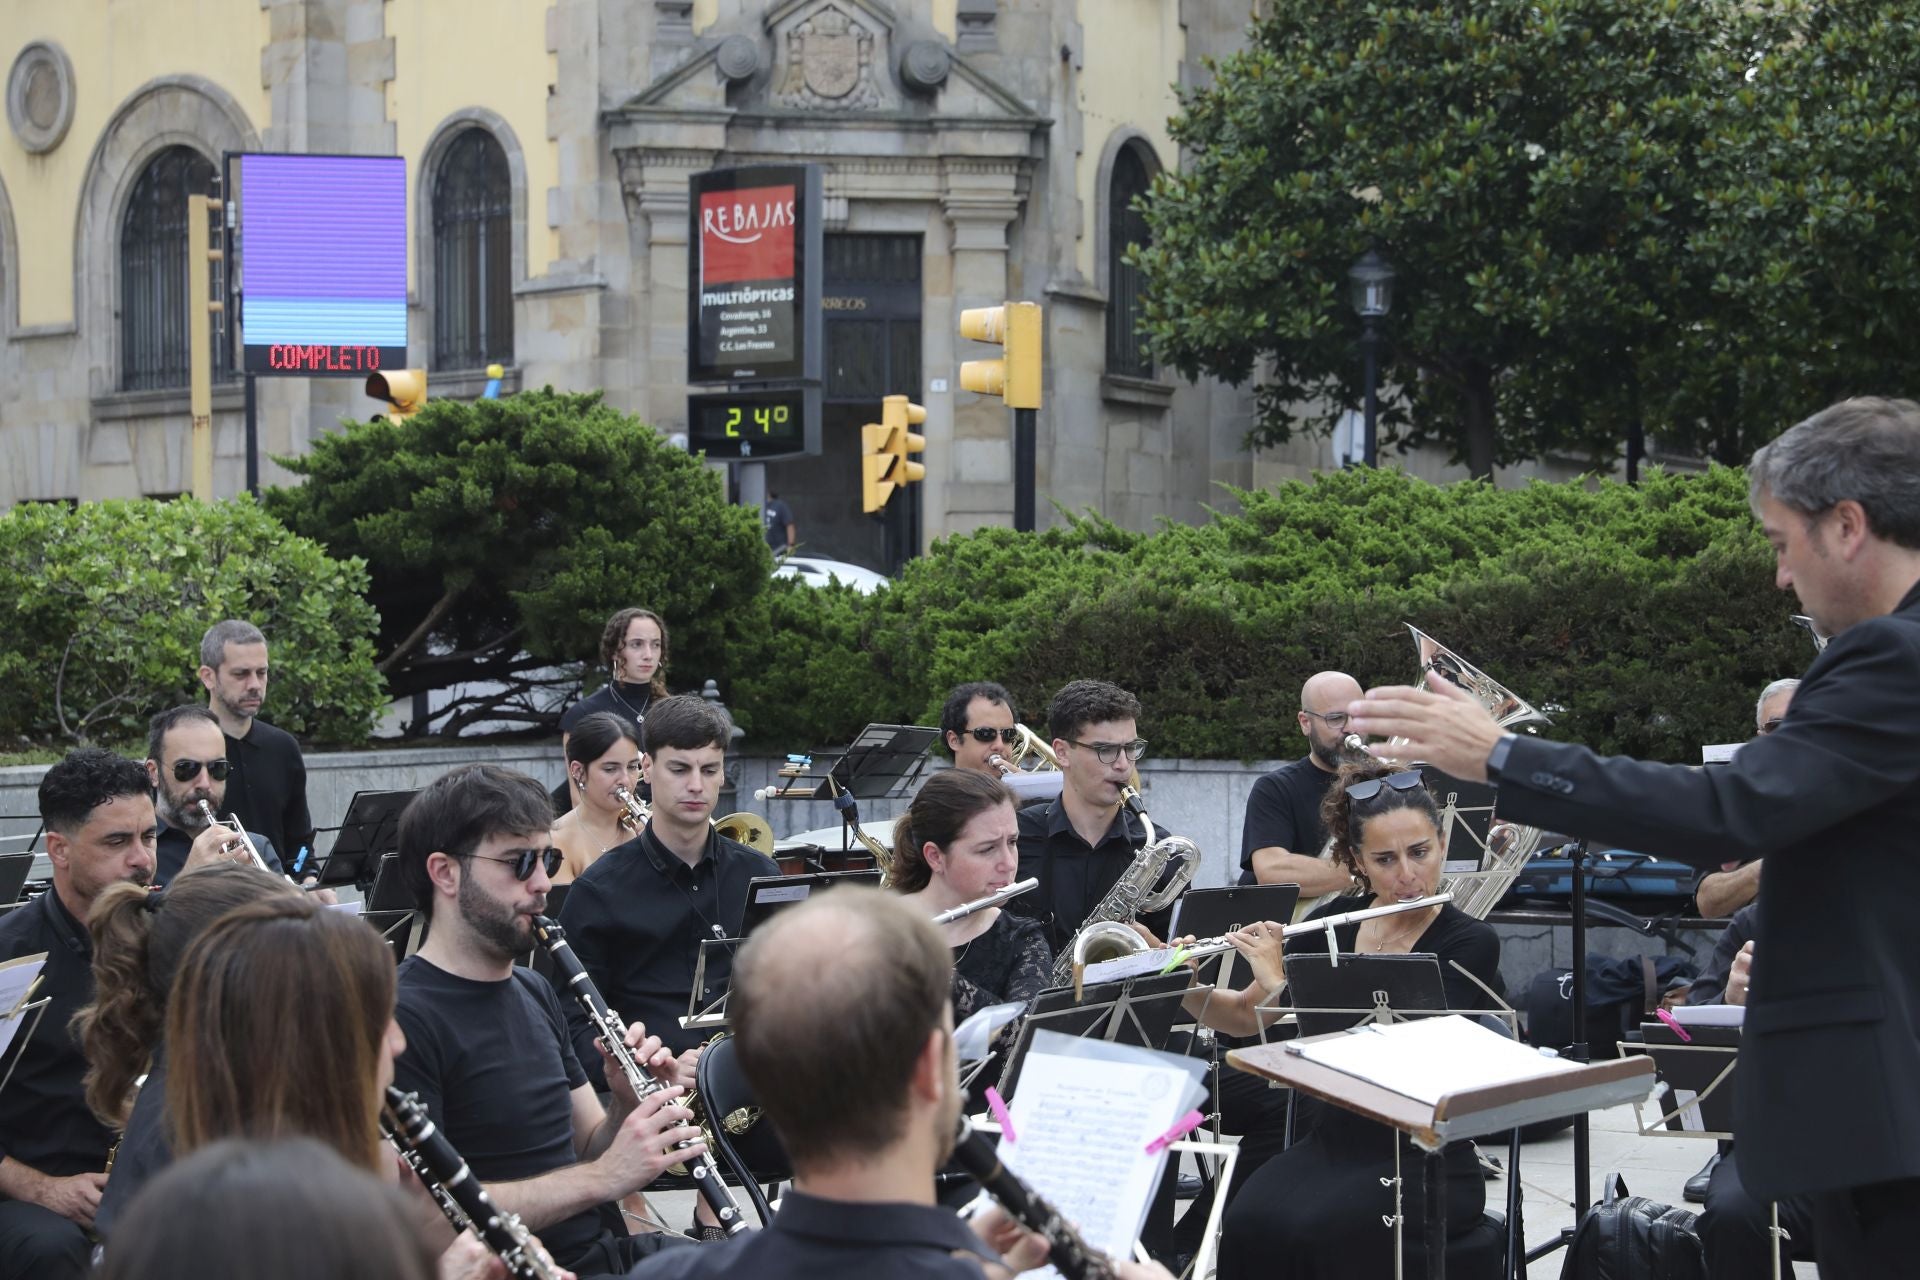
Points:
(603, 755)
(139, 938)
(633, 648)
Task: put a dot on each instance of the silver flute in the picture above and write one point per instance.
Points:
(993, 899)
(1205, 947)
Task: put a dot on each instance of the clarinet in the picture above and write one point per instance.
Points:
(449, 1207)
(613, 1034)
(444, 1168)
(1072, 1256)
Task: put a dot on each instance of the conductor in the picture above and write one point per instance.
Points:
(1827, 1106)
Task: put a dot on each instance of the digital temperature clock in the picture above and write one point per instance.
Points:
(756, 424)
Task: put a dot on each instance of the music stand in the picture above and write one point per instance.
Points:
(884, 760)
(1333, 996)
(1702, 1068)
(768, 895)
(1136, 1011)
(371, 828)
(23, 1019)
(395, 929)
(14, 869)
(388, 890)
(712, 1015)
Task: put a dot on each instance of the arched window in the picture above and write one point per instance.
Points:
(153, 274)
(472, 254)
(1126, 349)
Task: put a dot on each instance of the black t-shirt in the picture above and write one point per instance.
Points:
(775, 516)
(636, 918)
(1283, 811)
(494, 1066)
(267, 790)
(44, 1121)
(1073, 876)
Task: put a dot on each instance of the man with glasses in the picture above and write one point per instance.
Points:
(1736, 883)
(1082, 842)
(977, 724)
(488, 1050)
(187, 763)
(1282, 837)
(267, 785)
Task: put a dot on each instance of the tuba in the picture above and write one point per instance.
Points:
(1476, 892)
(749, 829)
(1105, 935)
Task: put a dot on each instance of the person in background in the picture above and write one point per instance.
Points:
(633, 648)
(777, 518)
(603, 755)
(267, 787)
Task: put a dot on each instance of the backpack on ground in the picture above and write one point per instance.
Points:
(1627, 1237)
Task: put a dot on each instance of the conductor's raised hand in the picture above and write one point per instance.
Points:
(1445, 727)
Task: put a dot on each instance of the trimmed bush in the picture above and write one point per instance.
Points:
(110, 599)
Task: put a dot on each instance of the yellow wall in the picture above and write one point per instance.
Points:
(1132, 61)
(494, 56)
(115, 46)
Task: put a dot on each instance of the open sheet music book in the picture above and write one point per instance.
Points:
(17, 978)
(1430, 1058)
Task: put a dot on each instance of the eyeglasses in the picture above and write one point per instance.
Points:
(188, 770)
(523, 860)
(1773, 724)
(1371, 787)
(1335, 720)
(988, 735)
(1110, 751)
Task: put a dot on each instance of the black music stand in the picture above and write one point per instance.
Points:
(768, 895)
(14, 870)
(395, 929)
(1136, 1011)
(1703, 1067)
(371, 828)
(884, 760)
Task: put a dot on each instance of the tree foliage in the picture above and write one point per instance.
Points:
(110, 599)
(501, 533)
(1690, 215)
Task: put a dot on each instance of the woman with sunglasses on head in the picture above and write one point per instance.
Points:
(1314, 1211)
(956, 844)
(603, 758)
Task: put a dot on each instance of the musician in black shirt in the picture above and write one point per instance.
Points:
(487, 1046)
(1080, 844)
(53, 1152)
(1282, 837)
(267, 789)
(186, 764)
(633, 647)
(845, 1034)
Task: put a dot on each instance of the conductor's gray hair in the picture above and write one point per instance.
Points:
(1866, 449)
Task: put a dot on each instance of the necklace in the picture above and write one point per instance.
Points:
(1407, 936)
(638, 713)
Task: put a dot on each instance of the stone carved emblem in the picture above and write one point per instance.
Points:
(829, 59)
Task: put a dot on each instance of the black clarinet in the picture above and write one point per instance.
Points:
(1072, 1256)
(441, 1166)
(613, 1034)
(449, 1207)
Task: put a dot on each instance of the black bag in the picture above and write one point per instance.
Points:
(1633, 1238)
(1620, 993)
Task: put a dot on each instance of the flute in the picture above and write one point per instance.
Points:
(1070, 1254)
(1205, 947)
(501, 1232)
(613, 1034)
(993, 899)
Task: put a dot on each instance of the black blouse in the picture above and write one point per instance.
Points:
(1010, 961)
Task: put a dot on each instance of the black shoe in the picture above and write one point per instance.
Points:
(1696, 1188)
(1187, 1186)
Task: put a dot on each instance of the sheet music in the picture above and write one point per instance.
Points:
(1710, 1015)
(1430, 1058)
(16, 978)
(1082, 1126)
(353, 907)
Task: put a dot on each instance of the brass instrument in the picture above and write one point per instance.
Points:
(1132, 894)
(241, 840)
(1027, 744)
(993, 899)
(749, 829)
(635, 813)
(1813, 632)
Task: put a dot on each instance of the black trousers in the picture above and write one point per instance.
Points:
(1736, 1229)
(1865, 1233)
(39, 1244)
(616, 1255)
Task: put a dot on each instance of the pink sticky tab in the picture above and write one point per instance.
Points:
(1181, 1128)
(1673, 1024)
(1001, 1116)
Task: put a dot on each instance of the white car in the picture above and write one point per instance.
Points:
(816, 572)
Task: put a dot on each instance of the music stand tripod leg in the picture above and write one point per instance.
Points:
(1434, 1198)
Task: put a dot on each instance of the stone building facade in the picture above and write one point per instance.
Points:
(974, 151)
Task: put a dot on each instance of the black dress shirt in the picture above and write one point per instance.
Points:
(44, 1121)
(170, 852)
(636, 918)
(267, 790)
(1073, 875)
(810, 1237)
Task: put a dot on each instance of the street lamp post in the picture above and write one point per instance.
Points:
(1371, 279)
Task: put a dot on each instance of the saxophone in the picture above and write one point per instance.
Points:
(1105, 934)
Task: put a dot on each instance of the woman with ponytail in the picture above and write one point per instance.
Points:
(138, 940)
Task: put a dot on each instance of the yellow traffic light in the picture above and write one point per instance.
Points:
(884, 446)
(1016, 378)
(404, 389)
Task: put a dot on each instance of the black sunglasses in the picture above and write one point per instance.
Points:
(1371, 787)
(524, 860)
(188, 770)
(988, 735)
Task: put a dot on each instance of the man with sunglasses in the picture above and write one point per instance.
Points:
(1831, 1042)
(187, 763)
(1082, 842)
(487, 1045)
(977, 724)
(1282, 837)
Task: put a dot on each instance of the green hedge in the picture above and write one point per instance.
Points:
(109, 600)
(1645, 617)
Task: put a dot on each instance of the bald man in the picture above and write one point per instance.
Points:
(1283, 835)
(845, 1032)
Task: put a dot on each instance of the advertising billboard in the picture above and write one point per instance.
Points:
(753, 297)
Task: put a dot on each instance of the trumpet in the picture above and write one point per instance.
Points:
(993, 899)
(241, 840)
(635, 813)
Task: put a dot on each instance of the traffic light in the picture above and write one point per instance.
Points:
(404, 389)
(1015, 379)
(884, 447)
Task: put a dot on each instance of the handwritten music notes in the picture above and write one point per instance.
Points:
(1085, 1113)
